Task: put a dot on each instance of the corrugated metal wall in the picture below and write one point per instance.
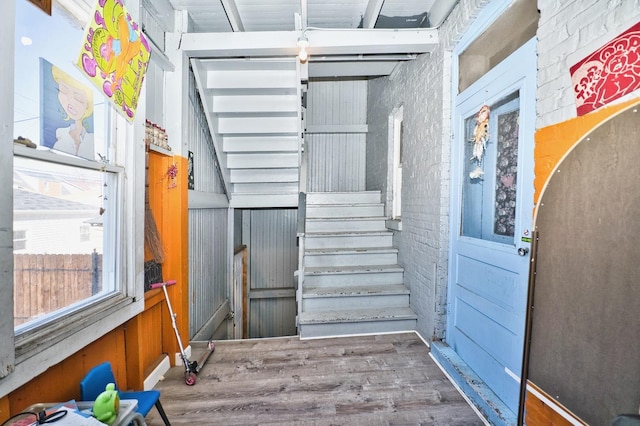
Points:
(208, 288)
(336, 159)
(273, 259)
(208, 257)
(205, 165)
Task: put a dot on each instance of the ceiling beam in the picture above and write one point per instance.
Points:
(231, 9)
(351, 69)
(303, 14)
(372, 13)
(333, 42)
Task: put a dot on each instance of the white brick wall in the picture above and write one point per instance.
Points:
(568, 31)
(423, 87)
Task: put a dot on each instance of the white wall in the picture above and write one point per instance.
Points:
(336, 160)
(568, 31)
(423, 87)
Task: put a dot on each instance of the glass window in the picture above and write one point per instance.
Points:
(398, 117)
(490, 172)
(65, 188)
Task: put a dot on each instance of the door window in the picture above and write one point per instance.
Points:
(490, 171)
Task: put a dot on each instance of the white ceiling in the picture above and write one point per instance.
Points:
(279, 15)
(355, 38)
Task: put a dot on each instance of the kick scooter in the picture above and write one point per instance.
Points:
(191, 368)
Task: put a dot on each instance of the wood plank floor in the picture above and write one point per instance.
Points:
(367, 380)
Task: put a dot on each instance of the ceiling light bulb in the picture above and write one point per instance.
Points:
(303, 43)
(303, 55)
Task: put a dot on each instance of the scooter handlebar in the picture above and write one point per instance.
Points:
(166, 283)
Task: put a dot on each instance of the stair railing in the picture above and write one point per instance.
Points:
(300, 234)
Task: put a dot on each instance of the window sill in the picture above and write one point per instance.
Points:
(43, 347)
(394, 224)
(160, 150)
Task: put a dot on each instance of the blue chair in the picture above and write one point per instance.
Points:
(96, 380)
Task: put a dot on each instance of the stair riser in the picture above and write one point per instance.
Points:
(343, 197)
(354, 302)
(342, 280)
(351, 241)
(351, 328)
(265, 188)
(376, 210)
(351, 259)
(346, 226)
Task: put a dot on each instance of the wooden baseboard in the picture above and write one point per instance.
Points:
(541, 409)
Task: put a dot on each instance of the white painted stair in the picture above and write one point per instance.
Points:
(254, 113)
(352, 283)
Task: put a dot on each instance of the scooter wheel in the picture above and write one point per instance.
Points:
(190, 379)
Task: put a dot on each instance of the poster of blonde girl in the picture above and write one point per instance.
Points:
(67, 112)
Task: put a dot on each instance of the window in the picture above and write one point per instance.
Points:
(56, 203)
(490, 174)
(58, 187)
(19, 239)
(72, 201)
(397, 163)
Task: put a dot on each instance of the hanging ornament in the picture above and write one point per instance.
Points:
(479, 140)
(172, 172)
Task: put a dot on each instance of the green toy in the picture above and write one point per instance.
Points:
(107, 404)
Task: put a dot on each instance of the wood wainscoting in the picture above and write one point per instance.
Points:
(540, 409)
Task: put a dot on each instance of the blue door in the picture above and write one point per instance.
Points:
(492, 205)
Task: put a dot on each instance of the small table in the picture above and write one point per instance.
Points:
(126, 414)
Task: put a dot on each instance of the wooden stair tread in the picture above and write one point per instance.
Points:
(357, 315)
(360, 269)
(350, 250)
(354, 291)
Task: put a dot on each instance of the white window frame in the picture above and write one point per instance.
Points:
(394, 170)
(398, 117)
(29, 354)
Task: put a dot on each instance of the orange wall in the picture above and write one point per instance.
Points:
(133, 348)
(553, 142)
(62, 381)
(170, 209)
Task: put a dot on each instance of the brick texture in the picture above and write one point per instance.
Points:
(567, 32)
(423, 88)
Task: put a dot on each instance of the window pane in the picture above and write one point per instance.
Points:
(490, 175)
(55, 106)
(506, 174)
(58, 221)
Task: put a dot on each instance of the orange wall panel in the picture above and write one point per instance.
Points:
(62, 381)
(170, 199)
(4, 408)
(553, 142)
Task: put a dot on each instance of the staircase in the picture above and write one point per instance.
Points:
(351, 283)
(254, 112)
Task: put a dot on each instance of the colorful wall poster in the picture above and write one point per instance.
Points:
(115, 55)
(66, 112)
(608, 73)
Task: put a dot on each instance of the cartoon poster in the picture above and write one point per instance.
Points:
(115, 55)
(66, 112)
(608, 73)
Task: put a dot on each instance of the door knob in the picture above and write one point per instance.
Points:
(523, 251)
